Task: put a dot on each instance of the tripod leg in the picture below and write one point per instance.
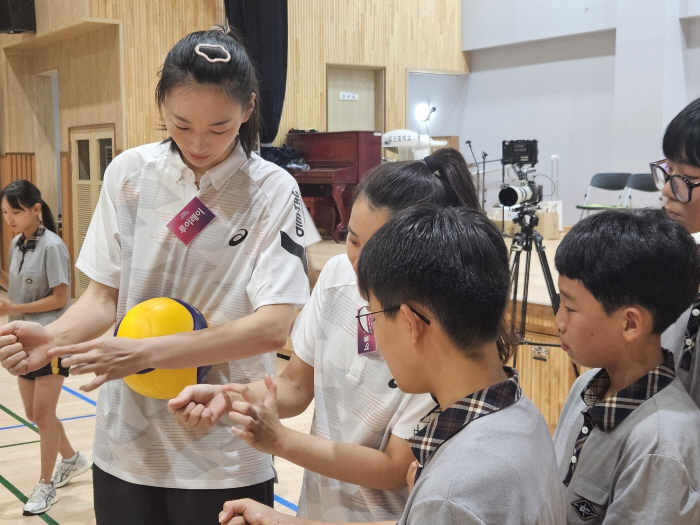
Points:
(549, 281)
(526, 285)
(515, 253)
(553, 296)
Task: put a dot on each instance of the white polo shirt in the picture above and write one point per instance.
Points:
(354, 400)
(250, 255)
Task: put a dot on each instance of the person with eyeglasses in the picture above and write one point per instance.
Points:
(678, 178)
(357, 455)
(486, 455)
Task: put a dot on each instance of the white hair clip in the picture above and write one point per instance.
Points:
(212, 46)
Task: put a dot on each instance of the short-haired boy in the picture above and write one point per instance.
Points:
(679, 174)
(628, 440)
(437, 283)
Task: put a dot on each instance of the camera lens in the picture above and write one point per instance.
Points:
(513, 195)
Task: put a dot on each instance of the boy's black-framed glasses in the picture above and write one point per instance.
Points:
(366, 318)
(681, 186)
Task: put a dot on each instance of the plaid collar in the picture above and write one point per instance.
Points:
(606, 415)
(440, 426)
(30, 245)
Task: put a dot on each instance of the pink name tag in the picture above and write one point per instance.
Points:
(365, 341)
(191, 221)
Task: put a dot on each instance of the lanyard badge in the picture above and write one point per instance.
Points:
(365, 341)
(191, 221)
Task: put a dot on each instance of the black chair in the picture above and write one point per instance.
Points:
(640, 182)
(609, 182)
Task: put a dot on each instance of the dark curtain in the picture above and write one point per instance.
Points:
(262, 25)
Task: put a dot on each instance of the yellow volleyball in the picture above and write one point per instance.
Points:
(157, 317)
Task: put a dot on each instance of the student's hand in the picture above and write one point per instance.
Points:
(199, 407)
(262, 429)
(7, 307)
(411, 475)
(24, 347)
(107, 357)
(247, 511)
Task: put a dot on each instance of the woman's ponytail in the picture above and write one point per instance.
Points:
(452, 170)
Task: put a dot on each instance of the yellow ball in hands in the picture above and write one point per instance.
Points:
(158, 317)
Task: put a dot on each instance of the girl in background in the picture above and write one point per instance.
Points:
(38, 282)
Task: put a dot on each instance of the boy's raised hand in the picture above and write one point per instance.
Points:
(262, 429)
(199, 407)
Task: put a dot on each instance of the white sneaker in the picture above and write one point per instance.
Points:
(43, 496)
(67, 470)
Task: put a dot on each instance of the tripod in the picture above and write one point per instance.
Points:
(522, 242)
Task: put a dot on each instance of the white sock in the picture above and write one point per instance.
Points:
(72, 459)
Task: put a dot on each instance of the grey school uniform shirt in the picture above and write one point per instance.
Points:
(499, 469)
(643, 470)
(45, 265)
(673, 339)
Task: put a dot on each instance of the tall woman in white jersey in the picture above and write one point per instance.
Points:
(244, 270)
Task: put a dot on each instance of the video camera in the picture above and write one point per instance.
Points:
(526, 192)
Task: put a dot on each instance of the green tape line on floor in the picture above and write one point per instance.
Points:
(18, 418)
(9, 486)
(18, 444)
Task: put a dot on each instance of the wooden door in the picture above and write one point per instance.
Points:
(91, 151)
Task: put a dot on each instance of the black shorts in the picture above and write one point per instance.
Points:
(118, 502)
(55, 367)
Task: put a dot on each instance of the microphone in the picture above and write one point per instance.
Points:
(476, 163)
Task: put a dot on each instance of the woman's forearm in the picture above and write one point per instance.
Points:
(357, 464)
(295, 388)
(263, 331)
(88, 318)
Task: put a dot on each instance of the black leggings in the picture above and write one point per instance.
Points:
(119, 502)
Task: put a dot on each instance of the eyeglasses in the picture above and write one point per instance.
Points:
(681, 186)
(366, 317)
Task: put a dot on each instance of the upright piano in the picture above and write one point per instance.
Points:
(338, 161)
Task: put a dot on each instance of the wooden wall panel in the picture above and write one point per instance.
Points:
(353, 115)
(150, 29)
(90, 93)
(53, 14)
(89, 82)
(399, 35)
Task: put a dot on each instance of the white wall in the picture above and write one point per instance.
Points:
(490, 23)
(595, 81)
(560, 92)
(446, 93)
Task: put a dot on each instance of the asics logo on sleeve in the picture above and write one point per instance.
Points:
(238, 238)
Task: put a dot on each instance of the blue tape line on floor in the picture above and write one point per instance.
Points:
(286, 503)
(64, 419)
(79, 395)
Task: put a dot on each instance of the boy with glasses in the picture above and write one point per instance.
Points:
(437, 282)
(678, 177)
